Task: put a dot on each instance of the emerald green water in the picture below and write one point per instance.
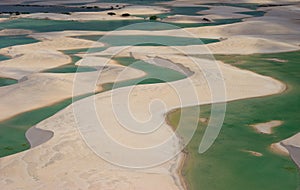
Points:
(225, 166)
(155, 74)
(148, 40)
(6, 41)
(252, 6)
(253, 13)
(12, 131)
(7, 81)
(3, 58)
(70, 68)
(40, 25)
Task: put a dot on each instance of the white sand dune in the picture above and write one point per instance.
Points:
(39, 56)
(48, 88)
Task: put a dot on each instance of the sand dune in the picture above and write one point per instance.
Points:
(48, 88)
(39, 56)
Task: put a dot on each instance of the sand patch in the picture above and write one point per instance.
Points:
(277, 60)
(14, 32)
(266, 128)
(253, 153)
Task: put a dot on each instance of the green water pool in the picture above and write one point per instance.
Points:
(225, 166)
(144, 40)
(7, 81)
(43, 25)
(6, 41)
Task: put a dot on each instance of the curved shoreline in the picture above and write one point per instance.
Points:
(185, 158)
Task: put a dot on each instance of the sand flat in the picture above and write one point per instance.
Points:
(14, 32)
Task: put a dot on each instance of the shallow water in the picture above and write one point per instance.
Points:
(70, 68)
(40, 25)
(6, 41)
(155, 74)
(12, 131)
(142, 40)
(225, 166)
(7, 81)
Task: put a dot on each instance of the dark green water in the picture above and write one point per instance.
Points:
(6, 41)
(252, 6)
(3, 58)
(225, 166)
(149, 40)
(12, 131)
(7, 81)
(70, 68)
(40, 25)
(186, 10)
(155, 74)
(253, 13)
